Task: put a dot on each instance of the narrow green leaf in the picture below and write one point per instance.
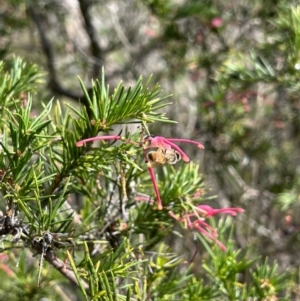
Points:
(72, 263)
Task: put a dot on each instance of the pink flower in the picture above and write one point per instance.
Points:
(207, 211)
(167, 143)
(216, 22)
(9, 272)
(151, 33)
(202, 212)
(164, 145)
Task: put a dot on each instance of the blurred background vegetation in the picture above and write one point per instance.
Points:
(233, 70)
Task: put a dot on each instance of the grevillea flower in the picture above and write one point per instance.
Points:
(165, 145)
(207, 211)
(196, 220)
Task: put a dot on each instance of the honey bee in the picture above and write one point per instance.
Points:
(162, 156)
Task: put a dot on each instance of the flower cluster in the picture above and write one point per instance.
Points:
(160, 151)
(166, 152)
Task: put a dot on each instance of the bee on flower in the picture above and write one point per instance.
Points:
(158, 151)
